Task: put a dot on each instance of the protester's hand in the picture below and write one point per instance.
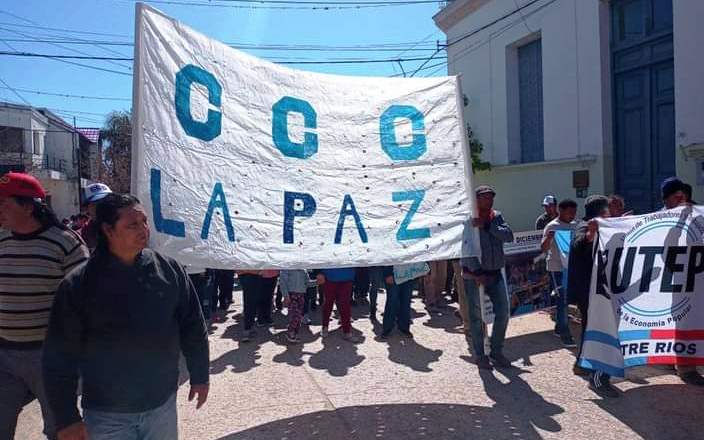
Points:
(287, 301)
(592, 229)
(477, 222)
(389, 280)
(77, 431)
(201, 391)
(320, 279)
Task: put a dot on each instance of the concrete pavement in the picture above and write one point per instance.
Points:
(425, 388)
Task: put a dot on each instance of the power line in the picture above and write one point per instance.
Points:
(105, 49)
(66, 95)
(99, 58)
(333, 2)
(67, 48)
(444, 63)
(292, 5)
(425, 62)
(490, 24)
(64, 30)
(15, 92)
(241, 46)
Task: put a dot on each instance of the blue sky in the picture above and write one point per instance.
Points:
(349, 27)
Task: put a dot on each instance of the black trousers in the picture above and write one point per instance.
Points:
(361, 283)
(257, 295)
(225, 281)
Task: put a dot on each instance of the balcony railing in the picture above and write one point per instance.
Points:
(28, 163)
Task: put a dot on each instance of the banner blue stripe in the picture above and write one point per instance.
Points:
(634, 362)
(633, 335)
(591, 364)
(604, 338)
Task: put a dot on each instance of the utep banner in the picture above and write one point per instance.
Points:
(647, 298)
(242, 163)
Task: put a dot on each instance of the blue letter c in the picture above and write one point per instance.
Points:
(211, 128)
(388, 133)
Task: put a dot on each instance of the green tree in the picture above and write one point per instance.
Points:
(475, 150)
(116, 143)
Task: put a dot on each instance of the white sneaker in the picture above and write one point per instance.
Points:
(324, 332)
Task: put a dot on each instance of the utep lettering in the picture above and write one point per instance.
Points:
(688, 260)
(296, 204)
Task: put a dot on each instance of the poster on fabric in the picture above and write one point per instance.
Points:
(242, 163)
(646, 304)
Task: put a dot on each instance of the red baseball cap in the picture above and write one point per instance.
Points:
(21, 185)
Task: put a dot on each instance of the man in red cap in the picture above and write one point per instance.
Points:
(36, 252)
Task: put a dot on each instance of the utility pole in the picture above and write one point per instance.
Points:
(77, 163)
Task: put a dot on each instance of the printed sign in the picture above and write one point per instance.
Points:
(646, 304)
(246, 164)
(407, 272)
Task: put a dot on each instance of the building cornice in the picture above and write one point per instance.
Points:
(455, 11)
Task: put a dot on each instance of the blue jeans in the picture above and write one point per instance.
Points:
(561, 325)
(398, 306)
(156, 424)
(496, 291)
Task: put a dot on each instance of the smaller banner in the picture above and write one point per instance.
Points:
(407, 272)
(527, 279)
(646, 304)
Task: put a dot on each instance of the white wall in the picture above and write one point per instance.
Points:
(59, 145)
(689, 89)
(572, 79)
(576, 97)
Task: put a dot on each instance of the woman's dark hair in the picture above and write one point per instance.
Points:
(107, 213)
(41, 212)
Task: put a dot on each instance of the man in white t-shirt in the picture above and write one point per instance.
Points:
(565, 221)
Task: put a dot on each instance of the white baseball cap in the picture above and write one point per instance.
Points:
(549, 200)
(95, 192)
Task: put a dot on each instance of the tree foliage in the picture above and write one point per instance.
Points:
(475, 149)
(116, 143)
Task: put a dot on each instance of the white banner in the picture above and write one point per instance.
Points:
(647, 294)
(242, 163)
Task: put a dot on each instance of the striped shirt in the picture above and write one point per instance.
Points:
(31, 268)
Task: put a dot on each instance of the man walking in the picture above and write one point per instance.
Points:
(36, 252)
(493, 233)
(120, 322)
(564, 222)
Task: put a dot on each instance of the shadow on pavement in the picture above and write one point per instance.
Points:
(245, 356)
(408, 352)
(659, 411)
(517, 398)
(337, 355)
(512, 419)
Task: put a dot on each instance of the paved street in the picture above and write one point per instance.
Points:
(425, 388)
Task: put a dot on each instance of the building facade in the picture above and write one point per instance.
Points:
(36, 141)
(577, 97)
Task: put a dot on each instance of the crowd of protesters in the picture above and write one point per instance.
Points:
(86, 300)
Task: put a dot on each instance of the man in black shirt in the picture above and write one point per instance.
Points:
(120, 322)
(550, 214)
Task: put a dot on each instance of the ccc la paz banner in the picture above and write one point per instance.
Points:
(647, 294)
(242, 163)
